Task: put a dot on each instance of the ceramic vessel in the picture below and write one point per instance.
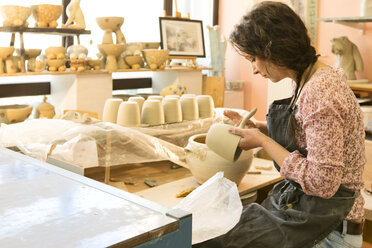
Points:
(229, 148)
(172, 96)
(155, 97)
(150, 45)
(205, 106)
(94, 64)
(155, 58)
(110, 110)
(152, 113)
(111, 24)
(190, 109)
(58, 52)
(135, 61)
(172, 110)
(14, 113)
(5, 53)
(129, 114)
(56, 64)
(45, 110)
(139, 100)
(46, 15)
(133, 48)
(14, 15)
(30, 56)
(112, 52)
(204, 163)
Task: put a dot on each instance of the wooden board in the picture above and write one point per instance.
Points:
(166, 194)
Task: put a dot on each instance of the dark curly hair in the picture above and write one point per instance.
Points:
(273, 31)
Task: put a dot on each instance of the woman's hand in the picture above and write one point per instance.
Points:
(251, 137)
(236, 118)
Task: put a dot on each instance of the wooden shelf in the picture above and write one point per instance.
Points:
(52, 31)
(354, 22)
(361, 87)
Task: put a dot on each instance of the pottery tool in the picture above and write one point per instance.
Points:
(224, 143)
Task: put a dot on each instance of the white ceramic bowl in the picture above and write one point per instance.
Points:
(204, 163)
(129, 114)
(14, 113)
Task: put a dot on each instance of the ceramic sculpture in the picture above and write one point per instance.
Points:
(109, 25)
(45, 110)
(75, 16)
(366, 8)
(347, 56)
(30, 56)
(77, 55)
(112, 53)
(218, 50)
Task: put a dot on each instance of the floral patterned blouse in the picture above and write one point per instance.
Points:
(330, 128)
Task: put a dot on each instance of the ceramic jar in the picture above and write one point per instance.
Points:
(139, 100)
(204, 163)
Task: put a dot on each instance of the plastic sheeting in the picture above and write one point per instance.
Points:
(87, 142)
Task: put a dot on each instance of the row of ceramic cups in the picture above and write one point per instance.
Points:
(157, 110)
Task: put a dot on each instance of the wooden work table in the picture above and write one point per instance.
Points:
(173, 181)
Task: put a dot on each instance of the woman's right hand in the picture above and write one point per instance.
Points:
(236, 118)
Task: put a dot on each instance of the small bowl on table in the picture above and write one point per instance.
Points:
(14, 113)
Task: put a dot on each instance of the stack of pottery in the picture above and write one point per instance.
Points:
(157, 110)
(14, 15)
(56, 58)
(77, 55)
(112, 51)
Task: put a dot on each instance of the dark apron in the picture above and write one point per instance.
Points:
(287, 217)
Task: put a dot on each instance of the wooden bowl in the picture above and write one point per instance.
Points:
(46, 15)
(155, 57)
(14, 113)
(15, 15)
(112, 23)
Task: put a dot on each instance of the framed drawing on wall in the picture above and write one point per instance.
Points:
(182, 37)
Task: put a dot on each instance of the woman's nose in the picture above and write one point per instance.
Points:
(255, 71)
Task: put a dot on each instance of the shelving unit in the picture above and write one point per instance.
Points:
(354, 22)
(37, 30)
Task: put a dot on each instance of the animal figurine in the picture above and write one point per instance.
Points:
(347, 56)
(75, 16)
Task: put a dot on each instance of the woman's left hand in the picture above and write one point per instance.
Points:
(251, 137)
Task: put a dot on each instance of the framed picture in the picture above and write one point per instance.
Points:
(182, 37)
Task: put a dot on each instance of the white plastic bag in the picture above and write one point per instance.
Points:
(215, 208)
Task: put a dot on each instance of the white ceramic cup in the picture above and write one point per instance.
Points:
(189, 107)
(224, 143)
(172, 96)
(160, 98)
(205, 105)
(188, 95)
(139, 100)
(110, 110)
(152, 112)
(172, 110)
(129, 114)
